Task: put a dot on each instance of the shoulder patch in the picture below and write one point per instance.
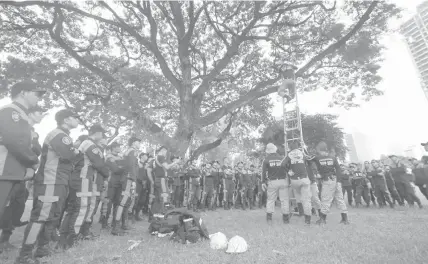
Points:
(97, 151)
(16, 116)
(66, 140)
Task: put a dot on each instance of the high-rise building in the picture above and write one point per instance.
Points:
(415, 32)
(352, 150)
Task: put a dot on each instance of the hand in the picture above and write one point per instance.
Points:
(29, 174)
(290, 173)
(133, 185)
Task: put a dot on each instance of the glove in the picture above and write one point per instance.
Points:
(290, 173)
(133, 185)
(105, 185)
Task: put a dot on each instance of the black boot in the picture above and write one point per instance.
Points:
(319, 212)
(300, 208)
(344, 219)
(103, 222)
(286, 218)
(269, 218)
(137, 215)
(313, 211)
(307, 219)
(322, 219)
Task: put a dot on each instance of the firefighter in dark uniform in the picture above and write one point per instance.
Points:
(19, 194)
(130, 161)
(141, 188)
(209, 190)
(97, 173)
(118, 179)
(50, 187)
(380, 188)
(16, 156)
(194, 193)
(217, 175)
(347, 184)
(228, 187)
(361, 185)
(395, 197)
(76, 207)
(246, 187)
(274, 180)
(329, 169)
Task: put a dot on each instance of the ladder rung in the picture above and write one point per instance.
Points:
(292, 128)
(292, 139)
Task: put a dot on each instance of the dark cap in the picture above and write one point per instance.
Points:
(63, 114)
(37, 109)
(27, 86)
(424, 144)
(391, 156)
(96, 128)
(132, 140)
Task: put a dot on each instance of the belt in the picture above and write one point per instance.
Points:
(278, 178)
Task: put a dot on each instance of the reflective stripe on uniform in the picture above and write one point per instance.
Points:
(47, 201)
(163, 185)
(82, 213)
(3, 156)
(33, 233)
(52, 160)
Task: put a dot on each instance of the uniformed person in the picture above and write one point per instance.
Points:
(50, 187)
(391, 186)
(228, 187)
(274, 177)
(301, 178)
(329, 169)
(97, 173)
(16, 156)
(379, 181)
(160, 167)
(361, 185)
(77, 202)
(142, 186)
(347, 184)
(19, 194)
(194, 194)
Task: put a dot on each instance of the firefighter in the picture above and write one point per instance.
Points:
(177, 175)
(50, 187)
(228, 187)
(381, 190)
(329, 169)
(117, 183)
(347, 183)
(19, 193)
(218, 176)
(160, 167)
(404, 180)
(77, 206)
(300, 178)
(274, 180)
(97, 173)
(132, 169)
(194, 194)
(208, 189)
(246, 187)
(391, 186)
(361, 185)
(16, 156)
(142, 183)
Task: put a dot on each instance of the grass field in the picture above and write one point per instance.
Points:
(374, 236)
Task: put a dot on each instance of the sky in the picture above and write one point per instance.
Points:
(387, 124)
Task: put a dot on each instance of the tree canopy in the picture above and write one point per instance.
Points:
(171, 69)
(316, 128)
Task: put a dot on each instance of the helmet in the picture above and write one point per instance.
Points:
(218, 241)
(237, 245)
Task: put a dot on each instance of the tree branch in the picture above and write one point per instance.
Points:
(333, 47)
(216, 143)
(252, 95)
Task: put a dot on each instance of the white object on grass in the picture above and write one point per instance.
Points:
(134, 244)
(237, 245)
(218, 241)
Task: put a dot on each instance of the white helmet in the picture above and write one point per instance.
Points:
(237, 245)
(218, 241)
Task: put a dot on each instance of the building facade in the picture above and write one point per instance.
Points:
(415, 32)
(352, 155)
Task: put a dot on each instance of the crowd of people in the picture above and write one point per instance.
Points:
(72, 181)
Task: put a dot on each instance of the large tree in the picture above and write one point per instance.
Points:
(173, 68)
(316, 128)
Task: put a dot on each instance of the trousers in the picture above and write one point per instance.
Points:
(277, 188)
(302, 192)
(331, 189)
